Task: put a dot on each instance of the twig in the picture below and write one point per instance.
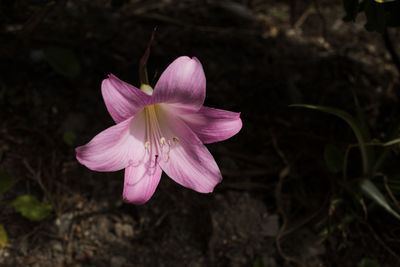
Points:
(304, 221)
(209, 29)
(385, 181)
(243, 157)
(246, 186)
(253, 172)
(304, 16)
(382, 243)
(278, 195)
(37, 177)
(282, 230)
(292, 7)
(321, 16)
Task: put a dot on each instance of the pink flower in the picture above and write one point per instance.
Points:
(160, 130)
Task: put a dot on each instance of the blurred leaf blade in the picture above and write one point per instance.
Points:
(366, 262)
(364, 129)
(6, 182)
(3, 237)
(392, 142)
(31, 208)
(63, 61)
(69, 138)
(375, 194)
(351, 121)
(334, 158)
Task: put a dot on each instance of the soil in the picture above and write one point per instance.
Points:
(259, 57)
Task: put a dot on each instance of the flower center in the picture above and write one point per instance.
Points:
(158, 140)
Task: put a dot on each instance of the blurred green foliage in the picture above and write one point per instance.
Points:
(368, 263)
(6, 182)
(31, 208)
(69, 138)
(370, 163)
(3, 237)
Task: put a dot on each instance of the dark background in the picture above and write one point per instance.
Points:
(259, 56)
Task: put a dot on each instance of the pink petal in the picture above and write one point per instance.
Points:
(122, 99)
(141, 181)
(189, 163)
(213, 125)
(182, 84)
(116, 147)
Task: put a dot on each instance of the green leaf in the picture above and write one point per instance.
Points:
(392, 135)
(364, 129)
(31, 208)
(368, 263)
(63, 61)
(392, 142)
(3, 237)
(323, 234)
(375, 194)
(361, 118)
(333, 158)
(384, 1)
(6, 182)
(351, 121)
(351, 7)
(69, 138)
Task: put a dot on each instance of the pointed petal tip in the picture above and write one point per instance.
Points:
(182, 84)
(78, 155)
(140, 183)
(138, 195)
(134, 201)
(211, 189)
(195, 59)
(111, 76)
(187, 58)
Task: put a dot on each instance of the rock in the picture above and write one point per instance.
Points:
(64, 221)
(57, 246)
(124, 230)
(117, 261)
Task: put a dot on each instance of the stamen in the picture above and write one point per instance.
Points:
(158, 143)
(162, 140)
(147, 144)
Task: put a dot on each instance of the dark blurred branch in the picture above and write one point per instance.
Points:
(322, 18)
(37, 18)
(143, 77)
(390, 48)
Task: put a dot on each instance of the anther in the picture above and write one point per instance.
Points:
(162, 140)
(175, 138)
(147, 144)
